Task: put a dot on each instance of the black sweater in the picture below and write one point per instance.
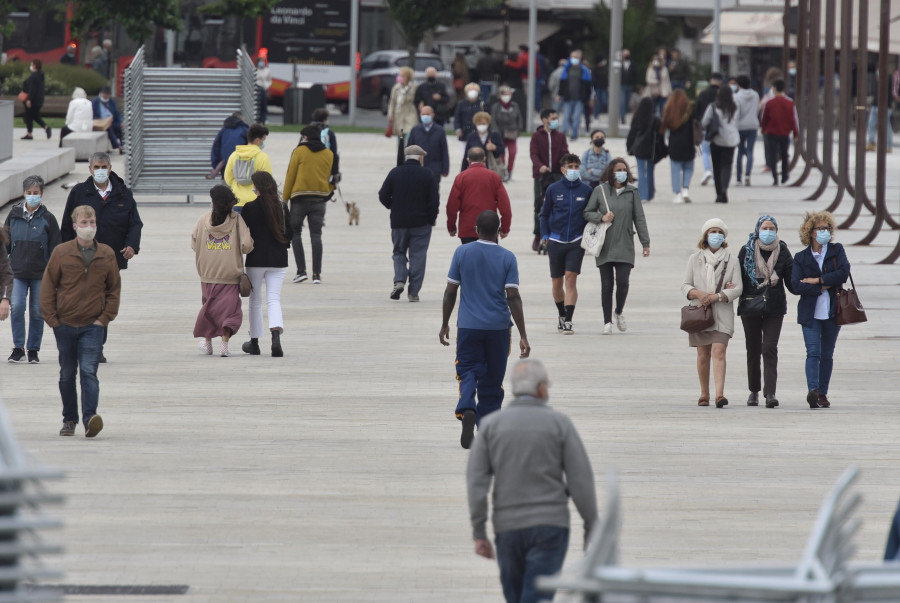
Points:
(267, 252)
(777, 298)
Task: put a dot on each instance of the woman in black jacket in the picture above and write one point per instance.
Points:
(678, 120)
(34, 88)
(766, 265)
(641, 142)
(270, 226)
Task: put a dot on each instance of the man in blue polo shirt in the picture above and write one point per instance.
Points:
(489, 277)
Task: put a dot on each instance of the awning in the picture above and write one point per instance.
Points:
(490, 33)
(767, 29)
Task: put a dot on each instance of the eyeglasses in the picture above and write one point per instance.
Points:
(826, 228)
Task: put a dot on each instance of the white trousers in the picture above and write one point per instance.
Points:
(274, 278)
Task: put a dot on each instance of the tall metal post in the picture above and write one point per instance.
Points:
(615, 64)
(532, 61)
(717, 27)
(354, 50)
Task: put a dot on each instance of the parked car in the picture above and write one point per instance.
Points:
(377, 75)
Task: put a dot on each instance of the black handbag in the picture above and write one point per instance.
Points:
(713, 128)
(753, 306)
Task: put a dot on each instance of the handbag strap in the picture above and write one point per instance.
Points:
(605, 200)
(722, 277)
(850, 274)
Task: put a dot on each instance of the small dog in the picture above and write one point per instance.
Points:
(353, 210)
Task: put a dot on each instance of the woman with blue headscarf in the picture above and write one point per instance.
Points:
(766, 266)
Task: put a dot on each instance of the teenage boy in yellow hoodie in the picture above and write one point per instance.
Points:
(246, 160)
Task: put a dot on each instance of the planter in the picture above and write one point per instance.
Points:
(54, 106)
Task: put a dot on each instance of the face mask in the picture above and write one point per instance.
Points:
(734, 87)
(426, 119)
(656, 63)
(599, 142)
(506, 98)
(33, 69)
(101, 175)
(575, 61)
(86, 233)
(482, 128)
(261, 64)
(823, 236)
(715, 239)
(573, 175)
(621, 176)
(767, 236)
(792, 71)
(104, 99)
(33, 200)
(554, 124)
(262, 146)
(472, 95)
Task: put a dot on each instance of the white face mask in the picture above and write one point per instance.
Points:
(101, 175)
(472, 94)
(482, 128)
(506, 98)
(86, 233)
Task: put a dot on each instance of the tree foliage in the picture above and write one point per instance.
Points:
(139, 18)
(243, 9)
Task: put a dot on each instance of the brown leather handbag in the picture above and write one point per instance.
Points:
(699, 318)
(849, 309)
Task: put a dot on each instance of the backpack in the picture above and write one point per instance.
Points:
(243, 170)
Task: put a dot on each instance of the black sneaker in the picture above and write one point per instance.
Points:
(17, 356)
(561, 324)
(251, 347)
(33, 357)
(68, 428)
(468, 429)
(567, 328)
(102, 358)
(317, 279)
(93, 426)
(301, 276)
(397, 290)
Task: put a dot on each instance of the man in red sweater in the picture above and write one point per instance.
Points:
(475, 190)
(778, 121)
(548, 145)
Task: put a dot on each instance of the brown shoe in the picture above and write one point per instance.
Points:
(823, 401)
(93, 427)
(703, 402)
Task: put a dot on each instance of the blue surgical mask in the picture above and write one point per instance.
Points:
(734, 88)
(573, 175)
(33, 200)
(554, 124)
(262, 145)
(715, 239)
(101, 175)
(426, 119)
(792, 71)
(621, 176)
(767, 236)
(575, 60)
(823, 236)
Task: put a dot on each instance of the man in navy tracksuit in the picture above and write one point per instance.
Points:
(562, 224)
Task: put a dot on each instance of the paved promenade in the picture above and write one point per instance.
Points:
(335, 474)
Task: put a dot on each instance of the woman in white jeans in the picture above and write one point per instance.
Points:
(269, 224)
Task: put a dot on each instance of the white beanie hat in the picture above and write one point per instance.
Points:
(714, 223)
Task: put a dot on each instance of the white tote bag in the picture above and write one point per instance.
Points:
(595, 234)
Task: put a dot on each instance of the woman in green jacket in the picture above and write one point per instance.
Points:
(618, 202)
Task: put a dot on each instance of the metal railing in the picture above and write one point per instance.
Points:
(22, 497)
(173, 118)
(823, 573)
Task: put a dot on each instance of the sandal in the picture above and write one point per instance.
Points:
(703, 402)
(720, 402)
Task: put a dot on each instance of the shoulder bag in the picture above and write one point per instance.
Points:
(244, 284)
(849, 309)
(699, 318)
(753, 306)
(496, 164)
(698, 132)
(595, 234)
(713, 128)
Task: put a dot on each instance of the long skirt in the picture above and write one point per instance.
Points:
(221, 309)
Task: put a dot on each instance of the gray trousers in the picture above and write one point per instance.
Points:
(411, 242)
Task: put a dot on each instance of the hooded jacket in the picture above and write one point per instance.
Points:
(80, 115)
(232, 134)
(31, 241)
(261, 163)
(218, 249)
(118, 222)
(309, 172)
(747, 101)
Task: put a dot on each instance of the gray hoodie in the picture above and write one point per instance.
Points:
(747, 101)
(536, 459)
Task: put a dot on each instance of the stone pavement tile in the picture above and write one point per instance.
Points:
(335, 473)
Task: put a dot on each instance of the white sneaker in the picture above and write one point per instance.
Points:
(205, 347)
(706, 178)
(747, 180)
(223, 350)
(678, 199)
(685, 195)
(620, 322)
(607, 329)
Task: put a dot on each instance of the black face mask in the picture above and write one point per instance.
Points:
(598, 142)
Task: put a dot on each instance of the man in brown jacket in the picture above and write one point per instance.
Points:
(79, 297)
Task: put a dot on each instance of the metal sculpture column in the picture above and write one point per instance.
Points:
(843, 173)
(827, 166)
(809, 99)
(799, 84)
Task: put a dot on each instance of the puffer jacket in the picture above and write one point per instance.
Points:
(31, 241)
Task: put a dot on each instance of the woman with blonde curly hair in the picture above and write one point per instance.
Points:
(819, 270)
(402, 113)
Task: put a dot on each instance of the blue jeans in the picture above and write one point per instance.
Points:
(646, 187)
(527, 553)
(873, 126)
(21, 290)
(624, 100)
(682, 171)
(480, 367)
(572, 112)
(79, 350)
(601, 101)
(745, 148)
(486, 88)
(820, 340)
(412, 241)
(705, 156)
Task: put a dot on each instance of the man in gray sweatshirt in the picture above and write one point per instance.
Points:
(536, 460)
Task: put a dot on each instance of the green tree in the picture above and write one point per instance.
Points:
(139, 18)
(242, 9)
(415, 18)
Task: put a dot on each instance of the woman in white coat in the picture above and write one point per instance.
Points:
(710, 265)
(79, 117)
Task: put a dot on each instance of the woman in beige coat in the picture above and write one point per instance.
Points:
(711, 264)
(402, 113)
